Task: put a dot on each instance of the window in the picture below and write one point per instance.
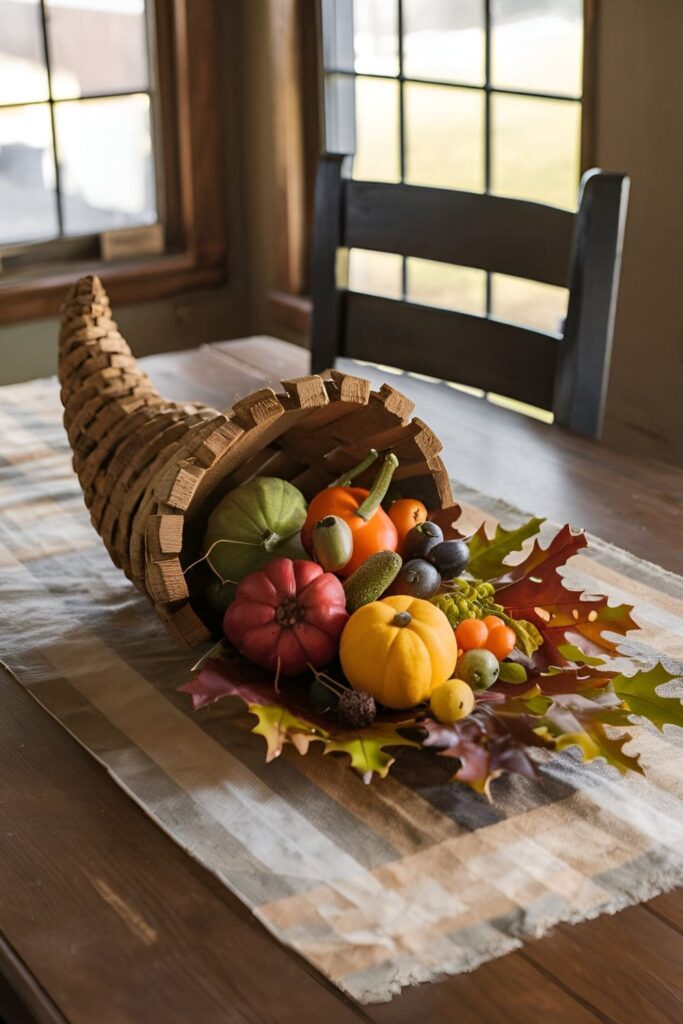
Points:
(74, 87)
(479, 95)
(110, 159)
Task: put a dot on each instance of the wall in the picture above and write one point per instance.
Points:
(639, 129)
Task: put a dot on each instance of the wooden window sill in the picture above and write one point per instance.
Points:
(27, 298)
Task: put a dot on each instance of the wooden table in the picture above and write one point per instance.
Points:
(104, 920)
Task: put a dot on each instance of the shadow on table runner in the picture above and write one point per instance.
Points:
(378, 886)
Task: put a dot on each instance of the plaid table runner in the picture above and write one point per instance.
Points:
(377, 886)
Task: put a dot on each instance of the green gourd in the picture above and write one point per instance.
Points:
(332, 543)
(257, 521)
(371, 579)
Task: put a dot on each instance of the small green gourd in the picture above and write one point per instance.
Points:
(257, 521)
(371, 579)
(332, 543)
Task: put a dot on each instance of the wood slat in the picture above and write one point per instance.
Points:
(507, 236)
(514, 361)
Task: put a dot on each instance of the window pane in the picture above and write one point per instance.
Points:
(538, 45)
(97, 46)
(23, 77)
(444, 40)
(375, 273)
(535, 149)
(377, 135)
(375, 29)
(444, 136)
(105, 157)
(445, 285)
(28, 206)
(529, 303)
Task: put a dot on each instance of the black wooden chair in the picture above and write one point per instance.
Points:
(566, 373)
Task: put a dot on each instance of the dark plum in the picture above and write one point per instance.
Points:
(420, 540)
(417, 578)
(450, 557)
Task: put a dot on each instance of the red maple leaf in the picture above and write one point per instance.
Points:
(534, 590)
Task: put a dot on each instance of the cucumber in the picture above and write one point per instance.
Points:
(371, 579)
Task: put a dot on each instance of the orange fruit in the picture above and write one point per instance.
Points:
(491, 621)
(471, 634)
(500, 641)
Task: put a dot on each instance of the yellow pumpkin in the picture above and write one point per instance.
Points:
(398, 649)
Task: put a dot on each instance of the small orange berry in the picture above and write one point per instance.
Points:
(500, 642)
(471, 633)
(491, 621)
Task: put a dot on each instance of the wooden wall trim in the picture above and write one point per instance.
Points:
(297, 103)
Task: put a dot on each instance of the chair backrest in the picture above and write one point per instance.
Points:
(566, 373)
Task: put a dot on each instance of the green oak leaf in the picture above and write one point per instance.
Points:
(488, 554)
(366, 746)
(278, 726)
(594, 742)
(639, 692)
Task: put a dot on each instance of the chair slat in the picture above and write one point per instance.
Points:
(513, 361)
(506, 236)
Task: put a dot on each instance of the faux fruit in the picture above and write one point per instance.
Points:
(371, 579)
(450, 557)
(500, 641)
(405, 514)
(254, 523)
(419, 541)
(471, 634)
(332, 543)
(288, 615)
(491, 621)
(417, 578)
(478, 668)
(371, 527)
(452, 701)
(398, 650)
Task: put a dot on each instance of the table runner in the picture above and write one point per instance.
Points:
(377, 886)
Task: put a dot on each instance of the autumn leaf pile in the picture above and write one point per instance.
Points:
(570, 695)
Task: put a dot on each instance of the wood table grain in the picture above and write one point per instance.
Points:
(104, 920)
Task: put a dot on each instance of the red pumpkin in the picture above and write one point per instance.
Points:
(291, 612)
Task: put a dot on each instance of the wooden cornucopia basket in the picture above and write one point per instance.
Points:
(152, 469)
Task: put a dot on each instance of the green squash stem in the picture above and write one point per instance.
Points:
(345, 479)
(379, 488)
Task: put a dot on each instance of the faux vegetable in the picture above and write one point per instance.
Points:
(371, 579)
(360, 509)
(398, 649)
(332, 543)
(286, 616)
(256, 522)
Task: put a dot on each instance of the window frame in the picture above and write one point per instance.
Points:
(188, 134)
(289, 302)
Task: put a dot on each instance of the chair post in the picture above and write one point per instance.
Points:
(327, 321)
(583, 366)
